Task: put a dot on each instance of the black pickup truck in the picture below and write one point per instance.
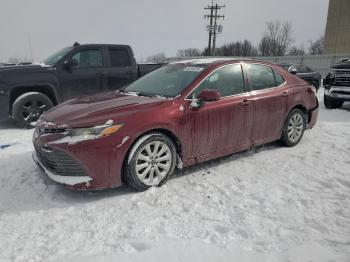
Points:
(337, 85)
(26, 91)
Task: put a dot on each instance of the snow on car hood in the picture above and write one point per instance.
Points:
(87, 111)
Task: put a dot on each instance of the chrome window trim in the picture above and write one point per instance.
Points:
(269, 88)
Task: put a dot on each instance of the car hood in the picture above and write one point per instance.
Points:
(87, 111)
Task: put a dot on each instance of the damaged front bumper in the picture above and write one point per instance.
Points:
(66, 180)
(93, 164)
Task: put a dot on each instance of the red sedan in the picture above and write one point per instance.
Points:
(179, 115)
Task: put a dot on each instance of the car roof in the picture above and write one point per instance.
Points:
(212, 61)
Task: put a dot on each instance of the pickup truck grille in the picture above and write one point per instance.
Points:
(58, 162)
(342, 78)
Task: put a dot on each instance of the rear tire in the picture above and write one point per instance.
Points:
(28, 107)
(151, 161)
(332, 103)
(294, 127)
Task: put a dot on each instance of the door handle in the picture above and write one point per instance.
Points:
(285, 94)
(245, 102)
(130, 73)
(101, 74)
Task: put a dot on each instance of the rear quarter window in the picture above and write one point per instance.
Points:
(279, 78)
(119, 58)
(261, 76)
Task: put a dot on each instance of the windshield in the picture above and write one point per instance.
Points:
(168, 81)
(53, 59)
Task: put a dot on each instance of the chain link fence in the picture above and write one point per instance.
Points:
(319, 63)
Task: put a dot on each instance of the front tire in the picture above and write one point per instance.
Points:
(151, 161)
(332, 103)
(294, 127)
(28, 107)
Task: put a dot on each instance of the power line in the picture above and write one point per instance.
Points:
(213, 28)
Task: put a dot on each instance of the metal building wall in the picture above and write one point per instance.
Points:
(319, 63)
(337, 38)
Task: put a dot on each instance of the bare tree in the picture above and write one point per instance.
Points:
(157, 58)
(248, 49)
(316, 47)
(276, 39)
(264, 47)
(189, 52)
(17, 60)
(297, 51)
(13, 60)
(245, 48)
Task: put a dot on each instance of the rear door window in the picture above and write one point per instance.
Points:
(261, 76)
(119, 58)
(228, 80)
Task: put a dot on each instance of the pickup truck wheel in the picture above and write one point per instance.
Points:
(150, 162)
(28, 107)
(293, 129)
(332, 103)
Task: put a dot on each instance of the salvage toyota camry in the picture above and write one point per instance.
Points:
(179, 115)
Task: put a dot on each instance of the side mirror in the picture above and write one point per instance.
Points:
(68, 64)
(293, 70)
(209, 95)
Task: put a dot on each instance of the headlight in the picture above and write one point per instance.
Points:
(95, 132)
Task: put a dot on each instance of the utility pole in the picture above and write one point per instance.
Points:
(30, 49)
(213, 27)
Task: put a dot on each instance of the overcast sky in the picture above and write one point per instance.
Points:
(149, 26)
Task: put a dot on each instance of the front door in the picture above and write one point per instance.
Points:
(86, 76)
(270, 94)
(220, 127)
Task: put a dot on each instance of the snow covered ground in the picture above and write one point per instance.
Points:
(277, 204)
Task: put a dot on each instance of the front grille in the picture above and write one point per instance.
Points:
(341, 92)
(342, 78)
(58, 162)
(43, 130)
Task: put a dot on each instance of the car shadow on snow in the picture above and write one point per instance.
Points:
(34, 191)
(205, 166)
(61, 196)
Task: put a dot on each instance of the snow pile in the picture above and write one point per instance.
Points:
(276, 204)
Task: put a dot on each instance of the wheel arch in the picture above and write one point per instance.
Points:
(168, 133)
(297, 106)
(46, 89)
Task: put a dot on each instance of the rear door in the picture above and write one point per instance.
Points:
(85, 77)
(122, 69)
(270, 98)
(224, 126)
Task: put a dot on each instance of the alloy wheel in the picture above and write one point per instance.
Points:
(153, 163)
(295, 128)
(32, 110)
